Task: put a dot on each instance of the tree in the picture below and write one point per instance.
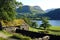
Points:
(7, 10)
(27, 20)
(45, 23)
(19, 4)
(34, 24)
(0, 26)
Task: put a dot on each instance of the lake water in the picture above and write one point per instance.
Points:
(52, 22)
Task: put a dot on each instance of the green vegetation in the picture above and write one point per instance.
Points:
(7, 9)
(6, 33)
(28, 21)
(19, 4)
(21, 37)
(54, 30)
(55, 27)
(33, 29)
(34, 24)
(14, 36)
(3, 38)
(8, 13)
(45, 23)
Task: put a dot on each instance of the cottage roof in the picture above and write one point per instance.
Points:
(15, 22)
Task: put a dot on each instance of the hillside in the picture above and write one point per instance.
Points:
(48, 10)
(29, 11)
(54, 14)
(36, 10)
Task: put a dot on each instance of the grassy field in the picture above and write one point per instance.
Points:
(33, 29)
(55, 27)
(55, 30)
(6, 35)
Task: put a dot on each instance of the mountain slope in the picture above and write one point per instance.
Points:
(36, 9)
(48, 10)
(25, 9)
(29, 11)
(54, 14)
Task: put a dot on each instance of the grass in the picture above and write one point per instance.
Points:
(14, 35)
(54, 33)
(55, 29)
(33, 29)
(6, 33)
(3, 38)
(21, 37)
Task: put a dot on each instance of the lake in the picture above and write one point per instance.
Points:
(52, 22)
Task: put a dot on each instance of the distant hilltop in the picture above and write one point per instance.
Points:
(37, 12)
(29, 9)
(54, 14)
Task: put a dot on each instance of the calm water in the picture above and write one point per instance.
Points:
(52, 22)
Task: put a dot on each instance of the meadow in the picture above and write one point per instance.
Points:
(54, 30)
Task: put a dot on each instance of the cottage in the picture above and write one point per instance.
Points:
(24, 27)
(17, 24)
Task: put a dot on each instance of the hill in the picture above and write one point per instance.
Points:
(48, 10)
(54, 14)
(29, 11)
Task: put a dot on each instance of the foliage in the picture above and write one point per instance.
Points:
(0, 26)
(19, 4)
(27, 20)
(7, 9)
(34, 24)
(45, 24)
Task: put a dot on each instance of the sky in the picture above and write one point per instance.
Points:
(44, 4)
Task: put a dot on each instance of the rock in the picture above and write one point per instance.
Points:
(46, 38)
(37, 39)
(40, 38)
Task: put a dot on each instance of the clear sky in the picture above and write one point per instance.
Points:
(44, 4)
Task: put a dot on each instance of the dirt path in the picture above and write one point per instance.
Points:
(3, 35)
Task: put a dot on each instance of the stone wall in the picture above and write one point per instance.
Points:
(10, 29)
(38, 36)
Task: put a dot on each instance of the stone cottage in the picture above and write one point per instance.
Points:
(24, 26)
(17, 24)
